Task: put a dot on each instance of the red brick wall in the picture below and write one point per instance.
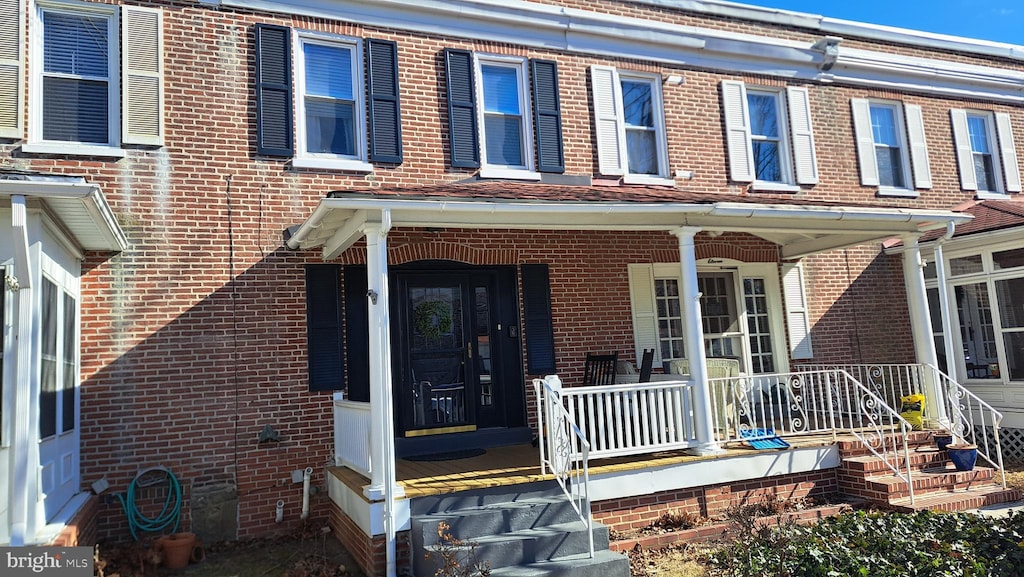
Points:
(193, 338)
(712, 501)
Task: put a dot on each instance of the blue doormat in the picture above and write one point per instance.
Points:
(765, 439)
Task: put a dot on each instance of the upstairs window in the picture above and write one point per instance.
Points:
(502, 88)
(630, 126)
(330, 110)
(342, 120)
(504, 115)
(80, 104)
(891, 144)
(986, 156)
(760, 123)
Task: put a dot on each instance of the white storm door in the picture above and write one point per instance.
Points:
(58, 397)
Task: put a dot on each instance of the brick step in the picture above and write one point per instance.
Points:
(921, 458)
(929, 481)
(915, 440)
(960, 500)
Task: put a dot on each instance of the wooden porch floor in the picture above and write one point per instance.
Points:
(517, 464)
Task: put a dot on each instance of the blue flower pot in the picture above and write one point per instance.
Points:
(942, 440)
(963, 456)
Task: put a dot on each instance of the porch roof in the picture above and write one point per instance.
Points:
(79, 207)
(798, 226)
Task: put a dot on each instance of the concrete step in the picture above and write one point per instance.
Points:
(492, 519)
(959, 500)
(604, 564)
(521, 547)
(482, 497)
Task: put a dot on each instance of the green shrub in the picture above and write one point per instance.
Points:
(878, 545)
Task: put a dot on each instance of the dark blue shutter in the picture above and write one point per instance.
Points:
(385, 118)
(273, 91)
(547, 116)
(357, 330)
(462, 130)
(323, 327)
(540, 338)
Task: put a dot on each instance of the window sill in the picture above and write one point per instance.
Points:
(343, 164)
(897, 192)
(71, 149)
(647, 179)
(509, 173)
(992, 196)
(764, 186)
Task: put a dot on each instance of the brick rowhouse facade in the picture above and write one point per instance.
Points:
(194, 338)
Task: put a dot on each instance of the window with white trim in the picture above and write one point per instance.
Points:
(506, 132)
(329, 109)
(92, 90)
(769, 137)
(986, 156)
(630, 125)
(891, 147)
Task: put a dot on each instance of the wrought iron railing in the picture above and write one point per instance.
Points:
(891, 382)
(564, 450)
(970, 419)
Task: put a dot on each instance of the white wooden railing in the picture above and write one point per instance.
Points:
(352, 435)
(564, 451)
(633, 419)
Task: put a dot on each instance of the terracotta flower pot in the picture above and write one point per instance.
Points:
(177, 549)
(964, 456)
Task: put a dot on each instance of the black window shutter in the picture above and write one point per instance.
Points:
(547, 116)
(273, 91)
(385, 118)
(357, 330)
(462, 131)
(323, 327)
(540, 338)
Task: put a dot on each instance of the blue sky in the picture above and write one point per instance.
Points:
(998, 20)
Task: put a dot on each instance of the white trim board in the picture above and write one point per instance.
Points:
(709, 472)
(367, 515)
(588, 32)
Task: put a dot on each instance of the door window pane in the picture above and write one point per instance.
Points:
(483, 347)
(758, 331)
(48, 362)
(670, 322)
(976, 331)
(68, 391)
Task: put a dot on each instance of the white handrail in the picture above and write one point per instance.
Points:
(962, 406)
(565, 452)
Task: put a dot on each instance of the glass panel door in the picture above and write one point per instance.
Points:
(722, 335)
(437, 354)
(976, 331)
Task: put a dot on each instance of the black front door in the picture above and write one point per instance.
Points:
(456, 339)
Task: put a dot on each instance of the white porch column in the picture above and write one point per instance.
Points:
(693, 329)
(24, 444)
(921, 326)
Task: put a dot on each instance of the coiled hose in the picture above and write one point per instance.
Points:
(171, 513)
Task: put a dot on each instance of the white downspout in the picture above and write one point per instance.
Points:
(689, 297)
(279, 515)
(947, 320)
(305, 492)
(23, 470)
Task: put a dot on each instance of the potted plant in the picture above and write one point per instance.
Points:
(963, 455)
(942, 439)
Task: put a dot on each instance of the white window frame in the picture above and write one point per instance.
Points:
(901, 137)
(527, 170)
(769, 272)
(36, 144)
(999, 132)
(993, 144)
(658, 108)
(788, 182)
(319, 160)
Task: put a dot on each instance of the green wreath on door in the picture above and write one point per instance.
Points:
(433, 319)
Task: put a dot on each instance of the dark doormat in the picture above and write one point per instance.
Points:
(447, 456)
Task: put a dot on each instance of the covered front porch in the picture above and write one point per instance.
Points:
(695, 413)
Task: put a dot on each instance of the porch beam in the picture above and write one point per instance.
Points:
(693, 328)
(921, 325)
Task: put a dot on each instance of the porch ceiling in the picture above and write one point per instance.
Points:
(798, 227)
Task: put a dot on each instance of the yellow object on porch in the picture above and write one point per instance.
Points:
(912, 409)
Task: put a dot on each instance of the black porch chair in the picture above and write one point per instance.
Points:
(646, 364)
(600, 369)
